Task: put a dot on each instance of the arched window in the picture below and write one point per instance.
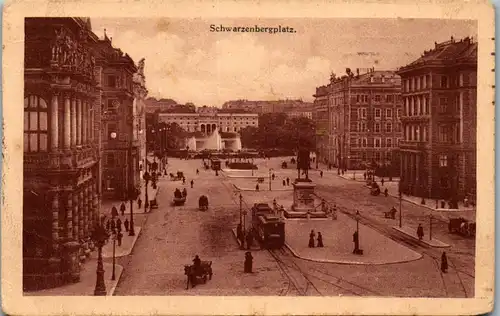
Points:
(35, 124)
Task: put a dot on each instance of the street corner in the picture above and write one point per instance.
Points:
(338, 243)
(411, 232)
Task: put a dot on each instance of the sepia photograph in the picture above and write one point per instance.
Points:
(232, 156)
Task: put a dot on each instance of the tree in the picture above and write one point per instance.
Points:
(176, 136)
(250, 137)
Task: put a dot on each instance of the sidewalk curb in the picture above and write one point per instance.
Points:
(444, 245)
(138, 230)
(253, 190)
(120, 273)
(420, 256)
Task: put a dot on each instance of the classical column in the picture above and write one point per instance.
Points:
(85, 211)
(67, 122)
(69, 216)
(54, 119)
(55, 222)
(73, 122)
(79, 122)
(81, 214)
(76, 231)
(85, 122)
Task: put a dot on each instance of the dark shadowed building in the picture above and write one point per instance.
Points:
(438, 153)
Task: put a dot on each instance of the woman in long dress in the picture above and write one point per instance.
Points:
(311, 239)
(320, 240)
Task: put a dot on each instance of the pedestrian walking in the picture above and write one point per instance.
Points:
(122, 208)
(183, 180)
(284, 182)
(420, 232)
(119, 237)
(119, 225)
(114, 212)
(444, 262)
(287, 181)
(364, 175)
(197, 171)
(192, 183)
(320, 240)
(382, 181)
(139, 202)
(126, 224)
(386, 192)
(257, 187)
(311, 239)
(113, 225)
(248, 262)
(321, 173)
(272, 176)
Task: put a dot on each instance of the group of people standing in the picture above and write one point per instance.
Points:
(245, 238)
(319, 239)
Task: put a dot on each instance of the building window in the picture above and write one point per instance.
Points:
(364, 142)
(378, 113)
(388, 127)
(444, 82)
(398, 112)
(35, 124)
(443, 132)
(363, 127)
(112, 81)
(378, 142)
(377, 98)
(377, 127)
(363, 113)
(388, 114)
(461, 80)
(388, 142)
(443, 160)
(112, 105)
(110, 160)
(389, 98)
(443, 105)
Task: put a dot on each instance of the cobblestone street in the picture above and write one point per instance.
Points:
(171, 236)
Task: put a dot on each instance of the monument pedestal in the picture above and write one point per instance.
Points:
(303, 201)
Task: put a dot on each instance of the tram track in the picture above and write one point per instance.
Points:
(401, 238)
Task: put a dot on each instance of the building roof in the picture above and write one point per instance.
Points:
(448, 52)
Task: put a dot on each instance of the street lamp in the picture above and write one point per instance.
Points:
(241, 206)
(114, 258)
(357, 222)
(270, 169)
(99, 236)
(146, 178)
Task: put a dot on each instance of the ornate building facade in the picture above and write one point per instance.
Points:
(438, 153)
(140, 93)
(61, 152)
(120, 139)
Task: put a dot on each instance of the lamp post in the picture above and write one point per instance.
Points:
(270, 169)
(241, 207)
(114, 258)
(146, 178)
(99, 236)
(357, 222)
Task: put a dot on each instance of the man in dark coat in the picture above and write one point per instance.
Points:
(114, 211)
(444, 262)
(126, 224)
(311, 239)
(119, 225)
(321, 173)
(122, 208)
(248, 262)
(192, 183)
(139, 202)
(284, 182)
(420, 232)
(320, 240)
(119, 237)
(287, 181)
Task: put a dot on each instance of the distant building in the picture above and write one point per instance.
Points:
(207, 121)
(307, 113)
(140, 93)
(261, 107)
(153, 105)
(359, 113)
(438, 153)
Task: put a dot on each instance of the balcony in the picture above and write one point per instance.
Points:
(80, 158)
(415, 118)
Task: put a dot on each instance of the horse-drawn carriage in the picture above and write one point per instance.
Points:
(284, 165)
(462, 226)
(203, 203)
(198, 275)
(179, 197)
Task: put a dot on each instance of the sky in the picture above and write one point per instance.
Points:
(188, 63)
